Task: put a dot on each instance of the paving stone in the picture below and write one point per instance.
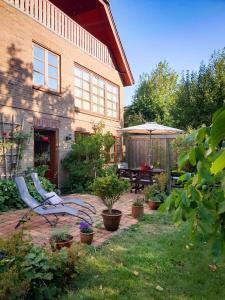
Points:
(39, 230)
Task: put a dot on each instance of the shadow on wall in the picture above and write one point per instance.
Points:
(19, 98)
(16, 90)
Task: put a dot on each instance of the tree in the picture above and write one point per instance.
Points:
(154, 96)
(200, 94)
(202, 200)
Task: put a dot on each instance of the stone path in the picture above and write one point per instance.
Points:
(40, 231)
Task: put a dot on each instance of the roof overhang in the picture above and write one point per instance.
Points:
(96, 17)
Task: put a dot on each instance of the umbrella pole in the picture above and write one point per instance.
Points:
(149, 148)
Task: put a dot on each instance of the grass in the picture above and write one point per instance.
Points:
(152, 260)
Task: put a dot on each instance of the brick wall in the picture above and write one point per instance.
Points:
(19, 98)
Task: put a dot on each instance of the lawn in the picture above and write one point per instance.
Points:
(152, 260)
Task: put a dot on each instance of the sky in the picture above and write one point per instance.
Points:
(182, 32)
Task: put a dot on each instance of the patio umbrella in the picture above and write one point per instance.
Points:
(151, 128)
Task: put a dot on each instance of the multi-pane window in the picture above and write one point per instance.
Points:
(45, 68)
(82, 89)
(95, 94)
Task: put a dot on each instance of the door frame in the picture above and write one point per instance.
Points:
(56, 153)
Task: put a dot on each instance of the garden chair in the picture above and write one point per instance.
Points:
(54, 199)
(44, 209)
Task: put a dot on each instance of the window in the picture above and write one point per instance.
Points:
(45, 68)
(95, 94)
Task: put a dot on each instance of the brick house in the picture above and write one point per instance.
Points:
(63, 69)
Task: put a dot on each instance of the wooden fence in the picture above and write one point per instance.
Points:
(160, 154)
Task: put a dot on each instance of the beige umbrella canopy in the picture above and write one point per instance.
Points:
(151, 128)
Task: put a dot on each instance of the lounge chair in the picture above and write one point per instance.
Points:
(54, 199)
(44, 209)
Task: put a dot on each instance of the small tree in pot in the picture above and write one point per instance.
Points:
(109, 189)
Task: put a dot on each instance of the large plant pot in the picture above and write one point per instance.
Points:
(153, 205)
(137, 211)
(59, 245)
(111, 221)
(86, 238)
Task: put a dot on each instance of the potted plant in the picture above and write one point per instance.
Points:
(60, 238)
(109, 189)
(153, 196)
(86, 233)
(138, 208)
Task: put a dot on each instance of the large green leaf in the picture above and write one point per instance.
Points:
(218, 128)
(219, 164)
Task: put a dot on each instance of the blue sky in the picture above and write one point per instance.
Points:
(182, 32)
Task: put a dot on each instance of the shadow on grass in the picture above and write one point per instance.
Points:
(152, 260)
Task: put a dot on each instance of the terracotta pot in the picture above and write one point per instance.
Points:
(137, 211)
(60, 245)
(86, 238)
(153, 205)
(111, 221)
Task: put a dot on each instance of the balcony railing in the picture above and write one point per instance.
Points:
(57, 21)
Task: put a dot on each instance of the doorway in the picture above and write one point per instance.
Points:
(45, 152)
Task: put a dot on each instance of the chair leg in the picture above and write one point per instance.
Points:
(84, 212)
(23, 219)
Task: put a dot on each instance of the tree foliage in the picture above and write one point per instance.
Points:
(202, 200)
(154, 95)
(185, 103)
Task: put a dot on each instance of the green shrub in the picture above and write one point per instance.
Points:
(31, 272)
(86, 159)
(9, 197)
(109, 189)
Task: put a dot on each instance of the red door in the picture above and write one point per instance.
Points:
(45, 152)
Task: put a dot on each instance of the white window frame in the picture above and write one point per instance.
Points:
(46, 64)
(104, 97)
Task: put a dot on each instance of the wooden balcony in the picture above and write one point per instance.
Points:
(47, 14)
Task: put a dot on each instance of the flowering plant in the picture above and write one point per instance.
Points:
(85, 227)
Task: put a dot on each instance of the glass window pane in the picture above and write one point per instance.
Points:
(78, 72)
(109, 96)
(86, 76)
(114, 114)
(101, 83)
(109, 113)
(101, 110)
(101, 92)
(114, 98)
(52, 84)
(86, 95)
(78, 92)
(95, 90)
(95, 108)
(86, 105)
(38, 79)
(114, 106)
(77, 102)
(39, 66)
(86, 86)
(109, 104)
(101, 101)
(38, 52)
(52, 71)
(95, 99)
(94, 80)
(109, 87)
(52, 59)
(78, 82)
